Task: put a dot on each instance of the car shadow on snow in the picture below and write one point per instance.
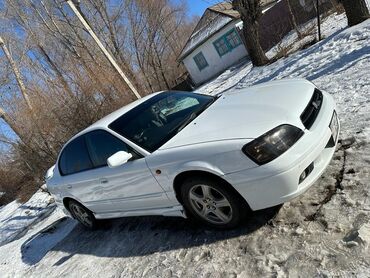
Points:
(129, 237)
(36, 247)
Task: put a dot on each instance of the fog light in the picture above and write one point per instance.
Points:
(306, 172)
(302, 177)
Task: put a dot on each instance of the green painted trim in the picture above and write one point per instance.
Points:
(229, 46)
(196, 61)
(218, 51)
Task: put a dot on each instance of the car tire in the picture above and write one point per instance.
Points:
(212, 202)
(82, 215)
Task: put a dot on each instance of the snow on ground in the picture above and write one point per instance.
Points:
(233, 75)
(16, 218)
(323, 233)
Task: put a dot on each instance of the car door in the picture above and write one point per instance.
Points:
(130, 186)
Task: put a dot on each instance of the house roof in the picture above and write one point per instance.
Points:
(214, 19)
(226, 9)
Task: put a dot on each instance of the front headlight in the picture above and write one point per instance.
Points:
(272, 144)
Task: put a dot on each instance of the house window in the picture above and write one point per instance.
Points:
(233, 39)
(200, 60)
(221, 46)
(227, 42)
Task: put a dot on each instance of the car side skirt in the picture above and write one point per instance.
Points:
(176, 211)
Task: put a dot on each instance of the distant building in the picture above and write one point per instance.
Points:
(216, 42)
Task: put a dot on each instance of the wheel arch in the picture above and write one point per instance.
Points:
(181, 177)
(66, 201)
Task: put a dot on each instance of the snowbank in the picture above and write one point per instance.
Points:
(15, 218)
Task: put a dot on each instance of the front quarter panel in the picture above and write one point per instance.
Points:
(219, 158)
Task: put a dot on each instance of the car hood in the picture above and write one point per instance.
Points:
(248, 113)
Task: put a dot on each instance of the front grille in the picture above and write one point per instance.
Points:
(309, 115)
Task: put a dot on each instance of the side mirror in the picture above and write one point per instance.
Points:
(118, 159)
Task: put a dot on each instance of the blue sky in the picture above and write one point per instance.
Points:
(196, 8)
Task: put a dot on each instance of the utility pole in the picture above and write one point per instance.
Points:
(102, 48)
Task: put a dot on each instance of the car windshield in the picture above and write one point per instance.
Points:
(155, 121)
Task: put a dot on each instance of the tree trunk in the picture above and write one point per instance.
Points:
(250, 12)
(292, 17)
(255, 51)
(10, 123)
(356, 11)
(56, 70)
(336, 6)
(16, 73)
(23, 90)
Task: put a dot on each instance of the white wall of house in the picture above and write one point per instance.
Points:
(216, 64)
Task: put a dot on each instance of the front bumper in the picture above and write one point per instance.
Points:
(278, 181)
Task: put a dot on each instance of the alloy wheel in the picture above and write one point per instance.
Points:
(210, 204)
(81, 214)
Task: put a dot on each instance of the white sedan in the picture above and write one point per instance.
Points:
(192, 155)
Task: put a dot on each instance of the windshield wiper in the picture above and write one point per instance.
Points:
(191, 117)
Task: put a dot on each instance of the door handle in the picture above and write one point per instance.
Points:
(69, 186)
(103, 181)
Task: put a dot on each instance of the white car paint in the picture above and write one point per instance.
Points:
(248, 113)
(211, 143)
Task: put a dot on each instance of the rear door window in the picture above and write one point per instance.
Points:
(75, 157)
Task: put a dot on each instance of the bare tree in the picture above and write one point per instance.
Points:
(356, 11)
(250, 13)
(23, 90)
(156, 35)
(10, 123)
(67, 80)
(293, 19)
(80, 16)
(16, 73)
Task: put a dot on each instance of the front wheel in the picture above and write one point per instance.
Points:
(82, 214)
(213, 203)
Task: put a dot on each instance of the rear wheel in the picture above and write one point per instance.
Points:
(212, 202)
(82, 214)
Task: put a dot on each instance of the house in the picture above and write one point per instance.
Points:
(215, 43)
